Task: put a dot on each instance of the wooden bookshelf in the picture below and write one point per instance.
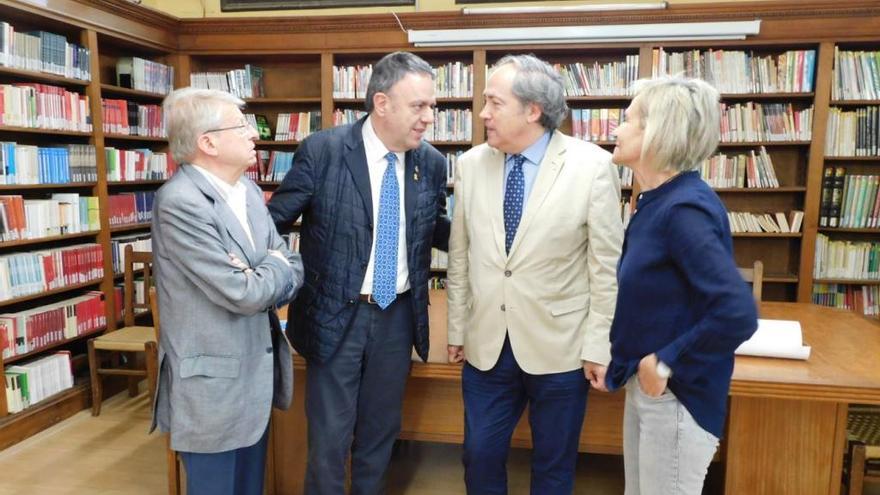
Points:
(108, 30)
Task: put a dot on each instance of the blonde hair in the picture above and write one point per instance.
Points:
(681, 121)
(189, 112)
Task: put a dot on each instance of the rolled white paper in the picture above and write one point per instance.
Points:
(776, 338)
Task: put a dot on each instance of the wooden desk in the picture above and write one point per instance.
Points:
(787, 419)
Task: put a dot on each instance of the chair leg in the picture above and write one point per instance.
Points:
(152, 362)
(856, 468)
(97, 389)
(173, 468)
(133, 381)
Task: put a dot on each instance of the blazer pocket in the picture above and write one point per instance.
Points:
(213, 366)
(570, 305)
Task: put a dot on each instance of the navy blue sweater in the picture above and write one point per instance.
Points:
(680, 296)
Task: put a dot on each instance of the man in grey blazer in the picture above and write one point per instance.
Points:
(221, 269)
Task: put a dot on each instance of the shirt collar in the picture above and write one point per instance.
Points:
(374, 148)
(535, 152)
(224, 188)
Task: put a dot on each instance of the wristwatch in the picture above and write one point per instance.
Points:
(663, 371)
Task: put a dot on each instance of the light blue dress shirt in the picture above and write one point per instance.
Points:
(534, 154)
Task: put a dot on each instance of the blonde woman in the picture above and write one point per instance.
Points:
(682, 307)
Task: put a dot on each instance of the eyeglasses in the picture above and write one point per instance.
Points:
(242, 129)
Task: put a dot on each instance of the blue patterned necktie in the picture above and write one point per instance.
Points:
(387, 232)
(513, 200)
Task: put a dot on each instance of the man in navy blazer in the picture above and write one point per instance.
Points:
(372, 196)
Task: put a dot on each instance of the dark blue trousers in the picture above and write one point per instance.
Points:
(353, 400)
(494, 400)
(233, 472)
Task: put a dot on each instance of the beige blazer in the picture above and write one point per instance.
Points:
(556, 291)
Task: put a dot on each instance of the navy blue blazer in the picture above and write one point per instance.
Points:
(329, 185)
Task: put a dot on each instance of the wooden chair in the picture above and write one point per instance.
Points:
(755, 276)
(171, 456)
(863, 452)
(129, 339)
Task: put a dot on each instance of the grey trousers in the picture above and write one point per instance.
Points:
(665, 452)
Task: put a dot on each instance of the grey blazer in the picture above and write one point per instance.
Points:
(223, 359)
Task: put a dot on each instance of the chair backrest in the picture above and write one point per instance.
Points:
(154, 309)
(755, 275)
(145, 259)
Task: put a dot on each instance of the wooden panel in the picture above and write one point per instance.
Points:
(772, 444)
(289, 440)
(124, 20)
(825, 61)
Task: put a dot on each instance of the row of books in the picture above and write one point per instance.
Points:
(28, 164)
(292, 240)
(750, 121)
(343, 116)
(451, 160)
(138, 242)
(450, 125)
(297, 125)
(626, 210)
(608, 79)
(43, 51)
(28, 384)
(130, 208)
(856, 75)
(43, 106)
(849, 200)
(737, 71)
(437, 283)
(144, 75)
(454, 80)
(248, 82)
(132, 119)
(41, 327)
(626, 176)
(846, 259)
(439, 259)
(743, 170)
(270, 166)
(853, 133)
(351, 81)
(864, 299)
(261, 124)
(138, 164)
(776, 223)
(62, 213)
(23, 274)
(595, 124)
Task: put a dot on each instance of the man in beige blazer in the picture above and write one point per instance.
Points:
(536, 235)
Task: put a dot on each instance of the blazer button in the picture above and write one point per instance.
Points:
(508, 273)
(503, 308)
(268, 350)
(351, 301)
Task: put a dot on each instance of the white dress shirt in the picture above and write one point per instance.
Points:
(236, 198)
(376, 163)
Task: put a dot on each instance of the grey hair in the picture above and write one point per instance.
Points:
(392, 68)
(189, 112)
(538, 82)
(681, 121)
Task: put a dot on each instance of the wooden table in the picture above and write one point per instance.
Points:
(787, 419)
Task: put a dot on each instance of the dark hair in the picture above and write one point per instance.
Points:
(392, 68)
